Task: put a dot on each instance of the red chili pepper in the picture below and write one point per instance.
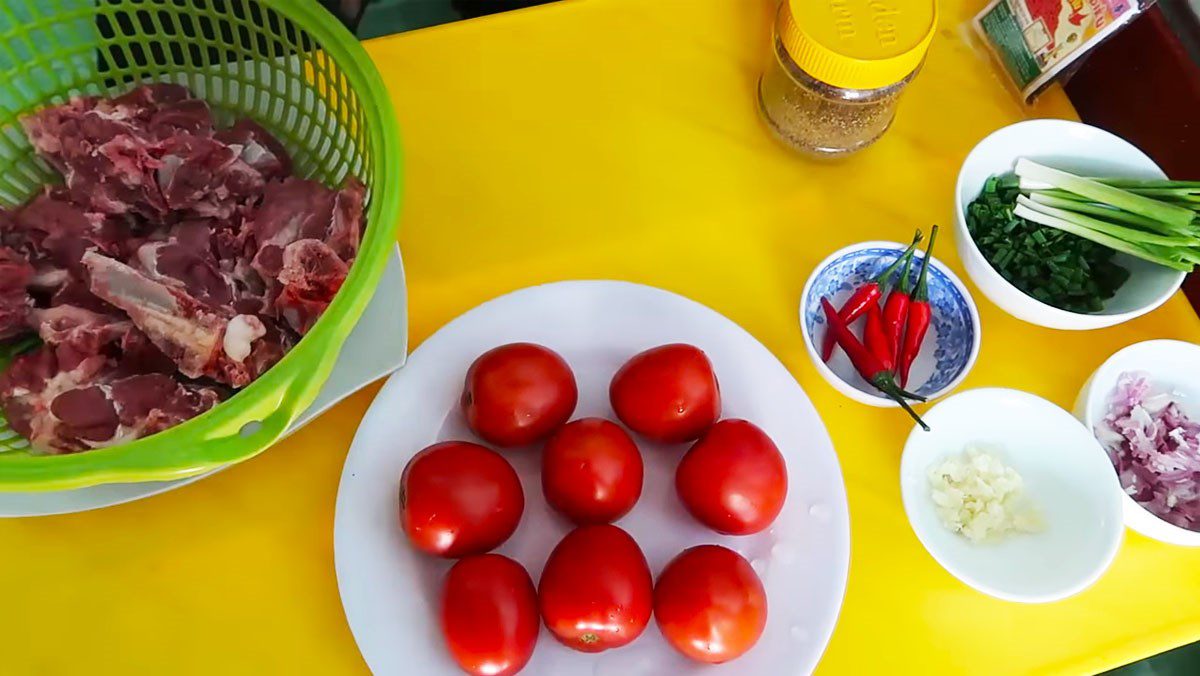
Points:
(919, 315)
(895, 310)
(876, 339)
(867, 364)
(867, 295)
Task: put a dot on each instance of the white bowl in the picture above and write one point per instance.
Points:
(1171, 365)
(949, 349)
(1078, 148)
(1067, 478)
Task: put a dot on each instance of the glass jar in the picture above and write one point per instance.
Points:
(837, 70)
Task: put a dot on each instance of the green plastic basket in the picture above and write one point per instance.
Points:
(286, 63)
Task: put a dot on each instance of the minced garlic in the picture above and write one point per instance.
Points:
(980, 497)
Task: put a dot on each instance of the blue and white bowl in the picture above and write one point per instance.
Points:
(950, 346)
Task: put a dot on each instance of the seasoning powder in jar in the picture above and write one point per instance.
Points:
(837, 69)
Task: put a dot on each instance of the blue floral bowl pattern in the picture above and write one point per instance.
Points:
(950, 346)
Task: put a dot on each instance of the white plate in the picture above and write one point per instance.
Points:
(1067, 478)
(376, 347)
(390, 592)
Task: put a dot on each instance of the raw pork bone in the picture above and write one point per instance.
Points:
(15, 273)
(64, 404)
(193, 334)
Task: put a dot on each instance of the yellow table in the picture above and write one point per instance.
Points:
(610, 139)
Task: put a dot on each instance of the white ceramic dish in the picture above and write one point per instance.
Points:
(1067, 477)
(1075, 147)
(390, 591)
(1172, 366)
(948, 351)
(376, 347)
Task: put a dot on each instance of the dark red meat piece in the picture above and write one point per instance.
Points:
(15, 273)
(292, 209)
(192, 270)
(76, 292)
(86, 416)
(205, 177)
(150, 403)
(30, 385)
(55, 232)
(139, 355)
(345, 228)
(259, 148)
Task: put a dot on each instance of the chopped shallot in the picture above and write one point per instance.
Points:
(1155, 448)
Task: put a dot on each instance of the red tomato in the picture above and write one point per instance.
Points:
(709, 604)
(734, 479)
(489, 615)
(668, 393)
(591, 471)
(459, 498)
(596, 590)
(518, 393)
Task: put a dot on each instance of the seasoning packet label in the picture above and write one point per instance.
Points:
(1034, 40)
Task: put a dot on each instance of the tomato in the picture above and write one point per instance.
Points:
(733, 480)
(591, 471)
(710, 604)
(668, 393)
(596, 590)
(459, 498)
(518, 393)
(489, 615)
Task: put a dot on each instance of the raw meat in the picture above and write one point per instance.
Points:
(31, 384)
(64, 406)
(79, 328)
(189, 331)
(177, 261)
(15, 274)
(259, 149)
(345, 229)
(205, 177)
(311, 276)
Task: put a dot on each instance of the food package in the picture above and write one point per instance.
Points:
(1034, 41)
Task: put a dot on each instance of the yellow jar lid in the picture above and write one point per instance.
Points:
(857, 44)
